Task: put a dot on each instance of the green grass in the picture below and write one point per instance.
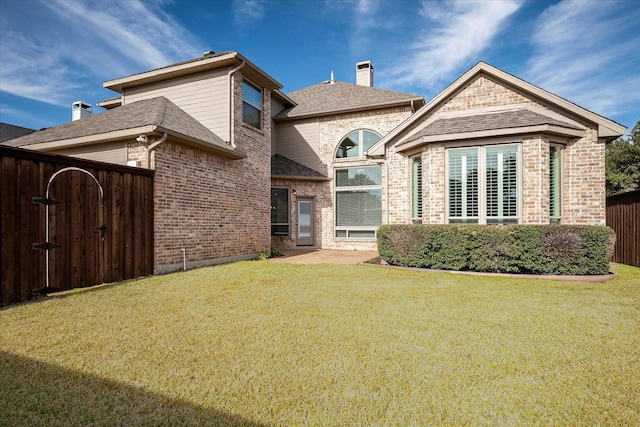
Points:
(260, 343)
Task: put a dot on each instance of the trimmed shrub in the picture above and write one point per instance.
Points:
(535, 249)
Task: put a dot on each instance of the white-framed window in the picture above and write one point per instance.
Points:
(251, 104)
(280, 211)
(358, 195)
(555, 184)
(356, 143)
(483, 185)
(416, 189)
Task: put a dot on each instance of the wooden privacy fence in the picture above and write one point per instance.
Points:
(93, 238)
(623, 215)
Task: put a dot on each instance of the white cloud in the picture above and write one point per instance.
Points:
(578, 54)
(247, 12)
(85, 43)
(455, 33)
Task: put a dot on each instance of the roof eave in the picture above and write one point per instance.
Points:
(350, 110)
(606, 128)
(205, 64)
(539, 129)
(219, 150)
(90, 139)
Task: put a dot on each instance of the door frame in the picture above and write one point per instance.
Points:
(306, 241)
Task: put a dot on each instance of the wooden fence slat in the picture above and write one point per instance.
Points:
(83, 258)
(623, 216)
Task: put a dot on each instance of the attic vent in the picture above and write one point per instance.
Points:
(208, 52)
(364, 74)
(80, 110)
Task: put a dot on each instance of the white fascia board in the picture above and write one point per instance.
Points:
(606, 127)
(540, 129)
(91, 139)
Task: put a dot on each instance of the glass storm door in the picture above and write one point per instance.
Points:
(305, 222)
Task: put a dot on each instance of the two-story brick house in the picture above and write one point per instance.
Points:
(239, 165)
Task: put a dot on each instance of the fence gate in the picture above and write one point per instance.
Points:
(90, 238)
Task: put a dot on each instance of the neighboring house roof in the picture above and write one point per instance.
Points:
(208, 61)
(9, 132)
(282, 167)
(339, 97)
(152, 115)
(498, 120)
(606, 129)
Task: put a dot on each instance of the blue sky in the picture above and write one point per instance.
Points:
(55, 52)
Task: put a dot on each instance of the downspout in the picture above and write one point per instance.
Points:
(153, 146)
(231, 71)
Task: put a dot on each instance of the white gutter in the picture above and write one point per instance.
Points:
(231, 71)
(153, 146)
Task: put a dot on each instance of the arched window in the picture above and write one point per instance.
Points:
(356, 144)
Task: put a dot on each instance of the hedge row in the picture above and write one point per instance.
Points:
(532, 249)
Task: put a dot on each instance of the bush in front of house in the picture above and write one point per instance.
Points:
(532, 249)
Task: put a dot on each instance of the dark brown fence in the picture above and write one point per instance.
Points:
(623, 215)
(99, 238)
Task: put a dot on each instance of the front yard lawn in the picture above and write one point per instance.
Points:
(261, 343)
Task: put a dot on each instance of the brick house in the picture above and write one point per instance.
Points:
(330, 163)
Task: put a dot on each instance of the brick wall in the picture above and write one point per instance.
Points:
(535, 180)
(433, 184)
(321, 195)
(484, 92)
(216, 209)
(332, 130)
(583, 192)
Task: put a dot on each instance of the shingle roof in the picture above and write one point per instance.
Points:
(490, 121)
(9, 132)
(158, 112)
(284, 167)
(326, 98)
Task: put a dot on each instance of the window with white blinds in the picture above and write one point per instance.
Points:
(502, 185)
(358, 201)
(483, 185)
(416, 188)
(463, 185)
(555, 196)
